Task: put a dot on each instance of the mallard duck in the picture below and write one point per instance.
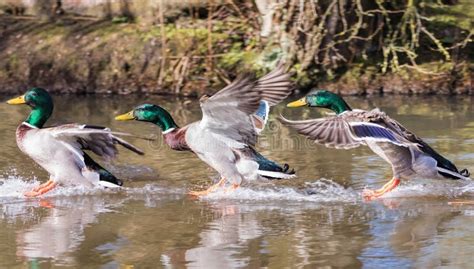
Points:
(226, 135)
(60, 149)
(408, 154)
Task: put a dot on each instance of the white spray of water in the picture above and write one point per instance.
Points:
(322, 190)
(432, 188)
(15, 187)
(12, 187)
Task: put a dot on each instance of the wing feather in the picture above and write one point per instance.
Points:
(332, 132)
(374, 132)
(229, 111)
(100, 140)
(350, 129)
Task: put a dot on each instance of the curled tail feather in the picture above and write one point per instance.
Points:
(463, 174)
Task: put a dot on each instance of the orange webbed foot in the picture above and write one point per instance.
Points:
(47, 183)
(370, 195)
(42, 189)
(201, 193)
(209, 190)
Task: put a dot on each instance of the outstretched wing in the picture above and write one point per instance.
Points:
(345, 131)
(227, 114)
(332, 132)
(97, 139)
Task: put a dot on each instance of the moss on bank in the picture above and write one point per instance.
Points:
(102, 56)
(94, 56)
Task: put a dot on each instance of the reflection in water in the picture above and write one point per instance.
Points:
(59, 234)
(316, 220)
(275, 235)
(55, 226)
(420, 236)
(221, 243)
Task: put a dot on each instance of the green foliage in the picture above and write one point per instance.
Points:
(362, 41)
(459, 15)
(122, 19)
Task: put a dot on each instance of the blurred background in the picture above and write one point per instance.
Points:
(191, 47)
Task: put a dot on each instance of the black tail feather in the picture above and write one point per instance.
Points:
(104, 175)
(266, 165)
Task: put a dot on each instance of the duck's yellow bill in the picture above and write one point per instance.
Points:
(298, 103)
(126, 116)
(17, 101)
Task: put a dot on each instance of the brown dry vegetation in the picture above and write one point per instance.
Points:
(193, 47)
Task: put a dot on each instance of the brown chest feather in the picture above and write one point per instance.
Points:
(176, 140)
(21, 132)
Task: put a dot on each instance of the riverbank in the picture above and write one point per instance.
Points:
(87, 55)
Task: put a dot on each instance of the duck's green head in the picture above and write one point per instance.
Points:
(150, 113)
(322, 98)
(41, 103)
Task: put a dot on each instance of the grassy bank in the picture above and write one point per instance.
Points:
(82, 55)
(192, 56)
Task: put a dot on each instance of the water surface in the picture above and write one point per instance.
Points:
(315, 220)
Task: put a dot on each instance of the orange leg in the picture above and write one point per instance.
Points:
(209, 190)
(42, 189)
(374, 194)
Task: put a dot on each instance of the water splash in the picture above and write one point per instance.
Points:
(13, 186)
(153, 188)
(468, 189)
(323, 190)
(432, 188)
